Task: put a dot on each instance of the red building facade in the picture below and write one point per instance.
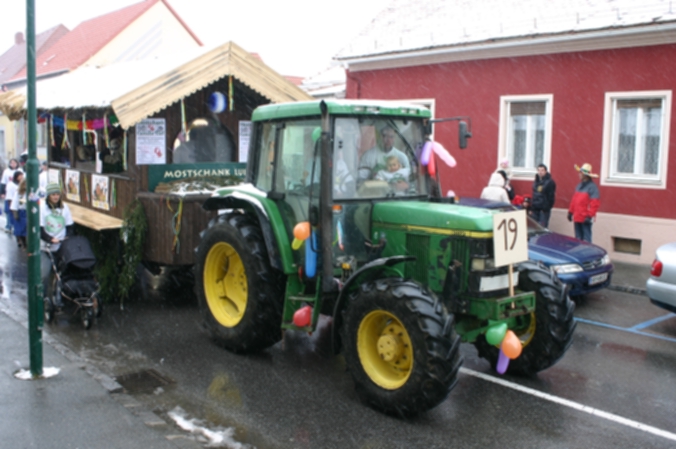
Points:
(611, 108)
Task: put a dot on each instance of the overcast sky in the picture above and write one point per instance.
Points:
(294, 37)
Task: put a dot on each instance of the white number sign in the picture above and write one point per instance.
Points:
(510, 237)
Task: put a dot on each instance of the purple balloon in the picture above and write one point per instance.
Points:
(503, 363)
(426, 152)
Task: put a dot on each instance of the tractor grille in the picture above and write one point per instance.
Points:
(418, 246)
(460, 252)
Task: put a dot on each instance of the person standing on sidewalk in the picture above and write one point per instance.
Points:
(5, 180)
(584, 204)
(18, 208)
(544, 194)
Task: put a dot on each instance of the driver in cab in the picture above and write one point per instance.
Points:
(375, 160)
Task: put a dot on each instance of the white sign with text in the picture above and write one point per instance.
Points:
(510, 237)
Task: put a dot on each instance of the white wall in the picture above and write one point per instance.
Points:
(157, 32)
(652, 232)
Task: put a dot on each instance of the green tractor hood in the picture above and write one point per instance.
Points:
(433, 218)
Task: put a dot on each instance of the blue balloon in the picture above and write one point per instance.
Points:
(217, 102)
(311, 256)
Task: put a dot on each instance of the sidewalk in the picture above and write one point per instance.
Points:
(77, 408)
(630, 278)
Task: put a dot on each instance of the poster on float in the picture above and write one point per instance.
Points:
(100, 190)
(73, 185)
(150, 142)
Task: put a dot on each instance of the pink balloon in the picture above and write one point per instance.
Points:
(443, 154)
(503, 363)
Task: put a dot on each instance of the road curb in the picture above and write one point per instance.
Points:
(629, 289)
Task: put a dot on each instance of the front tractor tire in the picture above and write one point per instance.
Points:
(545, 334)
(239, 293)
(400, 346)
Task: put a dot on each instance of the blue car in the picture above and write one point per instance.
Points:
(584, 266)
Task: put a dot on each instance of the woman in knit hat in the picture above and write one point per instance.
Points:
(56, 223)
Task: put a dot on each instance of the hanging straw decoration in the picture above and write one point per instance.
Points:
(64, 142)
(52, 142)
(231, 103)
(105, 131)
(86, 183)
(124, 150)
(113, 196)
(183, 135)
(176, 226)
(84, 130)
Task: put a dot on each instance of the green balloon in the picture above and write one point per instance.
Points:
(496, 333)
(316, 134)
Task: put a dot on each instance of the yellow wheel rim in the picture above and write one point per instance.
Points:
(528, 332)
(385, 349)
(225, 284)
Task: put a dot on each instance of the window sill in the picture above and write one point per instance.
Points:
(634, 183)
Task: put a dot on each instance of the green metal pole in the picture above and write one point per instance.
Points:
(35, 305)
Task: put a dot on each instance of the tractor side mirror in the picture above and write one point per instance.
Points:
(463, 135)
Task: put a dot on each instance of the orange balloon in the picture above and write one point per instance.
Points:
(302, 230)
(511, 345)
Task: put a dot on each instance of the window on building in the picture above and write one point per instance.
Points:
(636, 138)
(525, 130)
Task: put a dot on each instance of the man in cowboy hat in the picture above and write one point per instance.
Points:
(584, 203)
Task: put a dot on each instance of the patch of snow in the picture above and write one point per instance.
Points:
(24, 374)
(218, 437)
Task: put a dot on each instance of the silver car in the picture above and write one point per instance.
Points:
(662, 283)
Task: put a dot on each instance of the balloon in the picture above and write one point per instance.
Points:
(432, 166)
(443, 154)
(217, 102)
(311, 257)
(316, 134)
(302, 230)
(496, 333)
(425, 153)
(303, 316)
(503, 363)
(511, 345)
(296, 243)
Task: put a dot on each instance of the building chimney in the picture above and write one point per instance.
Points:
(18, 38)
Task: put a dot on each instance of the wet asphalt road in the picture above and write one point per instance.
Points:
(298, 395)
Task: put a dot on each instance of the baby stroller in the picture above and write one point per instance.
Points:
(74, 282)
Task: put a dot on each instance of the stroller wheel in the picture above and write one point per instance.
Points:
(98, 305)
(87, 316)
(49, 310)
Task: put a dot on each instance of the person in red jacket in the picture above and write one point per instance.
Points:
(584, 204)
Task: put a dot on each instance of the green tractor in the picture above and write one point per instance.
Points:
(328, 222)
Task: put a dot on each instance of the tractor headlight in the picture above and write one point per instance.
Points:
(482, 264)
(567, 268)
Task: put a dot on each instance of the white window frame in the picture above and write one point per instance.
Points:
(505, 136)
(429, 103)
(611, 179)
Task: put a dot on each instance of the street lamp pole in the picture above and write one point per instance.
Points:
(35, 305)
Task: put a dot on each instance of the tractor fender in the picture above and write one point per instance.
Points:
(250, 204)
(370, 271)
(537, 272)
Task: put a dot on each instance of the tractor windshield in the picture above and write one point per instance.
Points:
(376, 158)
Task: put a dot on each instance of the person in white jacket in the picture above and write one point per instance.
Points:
(495, 190)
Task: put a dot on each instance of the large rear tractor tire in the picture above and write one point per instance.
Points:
(240, 295)
(400, 346)
(545, 334)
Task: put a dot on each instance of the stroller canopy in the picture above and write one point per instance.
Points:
(76, 251)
